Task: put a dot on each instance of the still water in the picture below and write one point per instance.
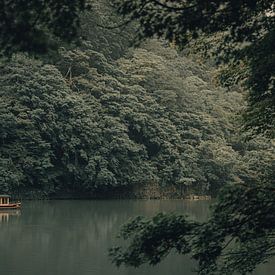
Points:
(73, 237)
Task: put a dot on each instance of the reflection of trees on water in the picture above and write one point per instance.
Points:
(73, 237)
(66, 236)
(83, 223)
(102, 217)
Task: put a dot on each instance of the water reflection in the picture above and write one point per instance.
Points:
(72, 237)
(6, 214)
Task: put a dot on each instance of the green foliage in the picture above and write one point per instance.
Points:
(33, 25)
(88, 123)
(236, 31)
(240, 232)
(238, 236)
(56, 139)
(105, 116)
(149, 243)
(113, 42)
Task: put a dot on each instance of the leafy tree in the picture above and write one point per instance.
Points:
(238, 30)
(102, 124)
(100, 118)
(112, 42)
(55, 139)
(32, 26)
(239, 234)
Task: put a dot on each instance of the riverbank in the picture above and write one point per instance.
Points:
(146, 191)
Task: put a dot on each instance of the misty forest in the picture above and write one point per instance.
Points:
(154, 120)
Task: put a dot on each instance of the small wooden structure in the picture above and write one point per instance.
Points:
(5, 203)
(4, 199)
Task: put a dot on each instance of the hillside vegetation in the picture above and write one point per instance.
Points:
(102, 115)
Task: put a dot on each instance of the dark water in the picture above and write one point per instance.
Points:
(72, 237)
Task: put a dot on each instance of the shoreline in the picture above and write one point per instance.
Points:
(75, 197)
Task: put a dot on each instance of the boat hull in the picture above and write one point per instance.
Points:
(10, 206)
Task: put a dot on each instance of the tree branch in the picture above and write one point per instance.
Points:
(171, 7)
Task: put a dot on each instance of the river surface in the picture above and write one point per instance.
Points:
(72, 237)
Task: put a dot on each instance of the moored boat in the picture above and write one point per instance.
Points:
(6, 204)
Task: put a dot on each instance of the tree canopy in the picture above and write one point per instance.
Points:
(102, 116)
(34, 25)
(238, 236)
(240, 232)
(102, 123)
(237, 31)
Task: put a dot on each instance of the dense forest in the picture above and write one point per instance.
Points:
(100, 114)
(100, 98)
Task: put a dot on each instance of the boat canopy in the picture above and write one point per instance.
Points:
(4, 199)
